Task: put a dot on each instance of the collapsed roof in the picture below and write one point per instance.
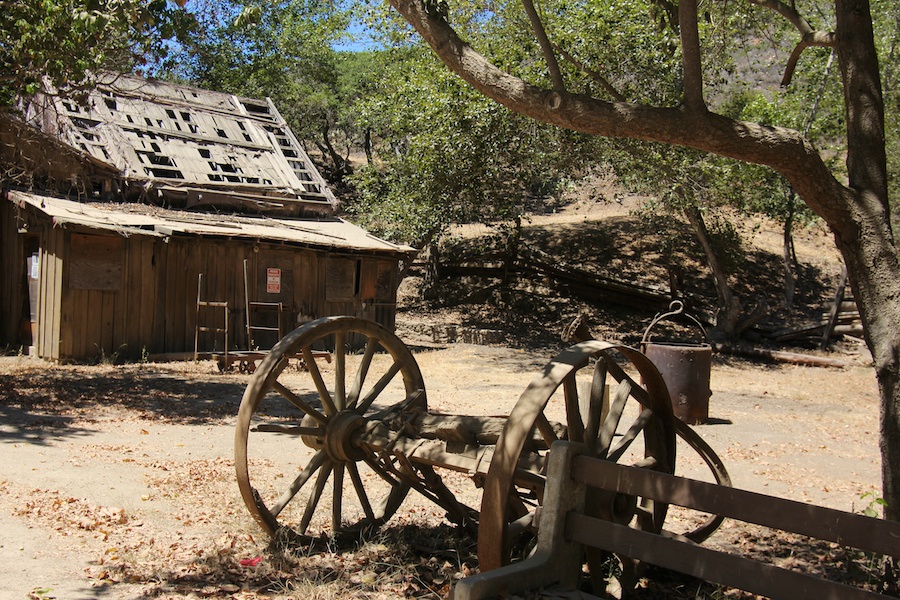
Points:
(173, 145)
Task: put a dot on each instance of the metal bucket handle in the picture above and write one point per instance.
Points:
(676, 307)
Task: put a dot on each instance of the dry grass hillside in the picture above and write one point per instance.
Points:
(600, 229)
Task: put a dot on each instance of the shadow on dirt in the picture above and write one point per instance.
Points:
(411, 561)
(42, 402)
(531, 312)
(18, 426)
(416, 561)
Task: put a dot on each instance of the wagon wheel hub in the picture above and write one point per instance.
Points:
(339, 436)
(611, 506)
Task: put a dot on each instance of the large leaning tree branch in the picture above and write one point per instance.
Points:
(702, 130)
(808, 36)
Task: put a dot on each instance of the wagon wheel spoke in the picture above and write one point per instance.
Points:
(379, 387)
(573, 409)
(313, 368)
(637, 427)
(519, 531)
(649, 515)
(596, 560)
(597, 405)
(648, 462)
(299, 402)
(365, 363)
(620, 375)
(521, 525)
(611, 422)
(316, 495)
(518, 508)
(311, 467)
(337, 497)
(340, 370)
(360, 491)
(546, 429)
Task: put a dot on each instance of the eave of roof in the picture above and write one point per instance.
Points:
(140, 219)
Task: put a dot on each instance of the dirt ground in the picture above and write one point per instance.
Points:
(118, 481)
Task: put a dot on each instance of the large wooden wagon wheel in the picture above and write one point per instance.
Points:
(595, 419)
(296, 431)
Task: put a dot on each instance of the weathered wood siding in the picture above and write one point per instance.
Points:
(51, 293)
(105, 295)
(12, 276)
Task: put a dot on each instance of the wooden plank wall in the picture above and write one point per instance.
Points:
(142, 298)
(12, 273)
(221, 264)
(51, 320)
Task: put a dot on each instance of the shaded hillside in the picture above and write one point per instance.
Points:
(479, 287)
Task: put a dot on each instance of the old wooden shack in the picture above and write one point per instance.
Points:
(211, 198)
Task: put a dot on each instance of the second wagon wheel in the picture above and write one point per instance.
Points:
(298, 469)
(578, 375)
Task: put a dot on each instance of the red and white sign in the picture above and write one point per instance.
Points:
(273, 281)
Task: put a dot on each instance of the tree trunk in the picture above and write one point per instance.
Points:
(729, 309)
(367, 146)
(511, 254)
(432, 276)
(868, 247)
(788, 255)
(341, 167)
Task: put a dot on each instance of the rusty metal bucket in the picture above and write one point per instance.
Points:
(685, 367)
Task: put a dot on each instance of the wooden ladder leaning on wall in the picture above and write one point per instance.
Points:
(201, 304)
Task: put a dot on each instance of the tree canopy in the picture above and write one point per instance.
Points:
(66, 43)
(447, 155)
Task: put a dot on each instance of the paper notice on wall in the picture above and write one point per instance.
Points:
(273, 281)
(35, 266)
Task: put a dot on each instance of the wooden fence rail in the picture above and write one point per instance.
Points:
(566, 527)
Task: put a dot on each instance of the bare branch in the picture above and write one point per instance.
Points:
(606, 85)
(788, 12)
(814, 38)
(540, 33)
(690, 55)
(808, 35)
